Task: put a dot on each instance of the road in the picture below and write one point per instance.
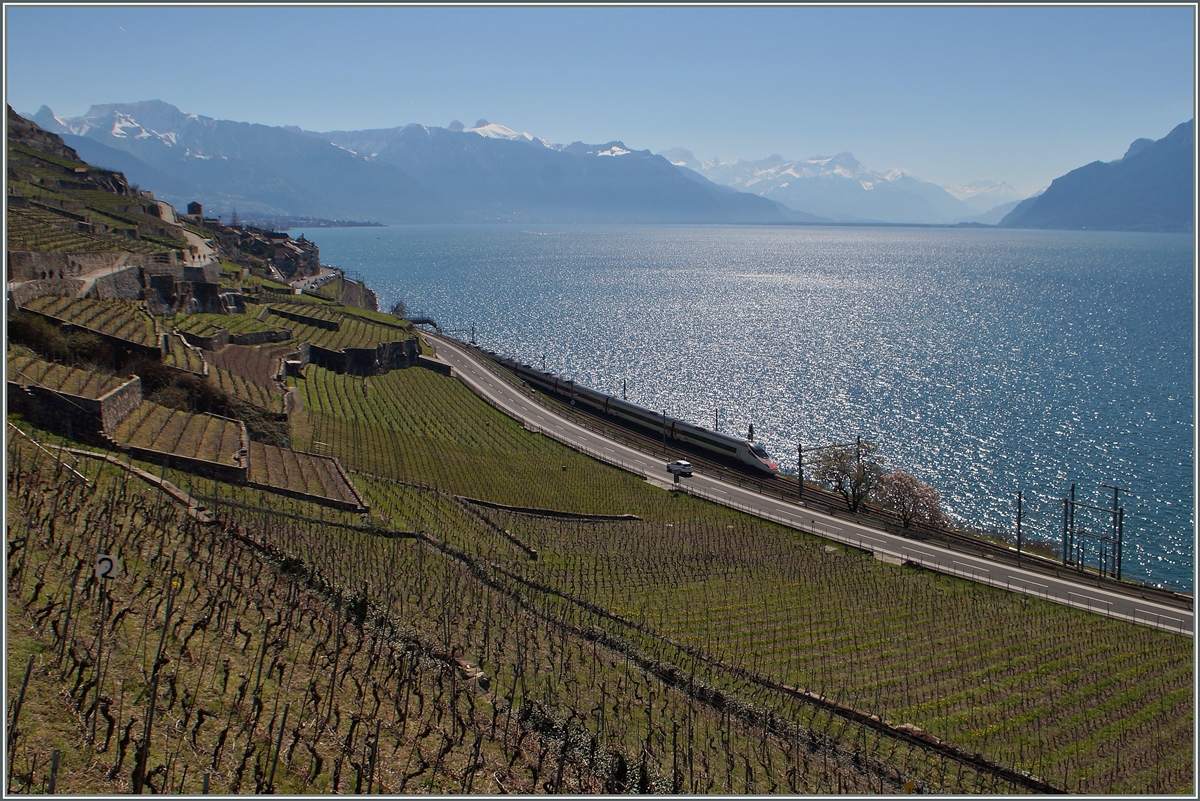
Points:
(323, 276)
(1067, 590)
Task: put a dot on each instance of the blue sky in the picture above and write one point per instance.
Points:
(1016, 94)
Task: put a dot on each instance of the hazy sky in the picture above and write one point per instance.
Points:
(1016, 94)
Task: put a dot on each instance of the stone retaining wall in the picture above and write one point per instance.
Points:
(27, 291)
(315, 322)
(260, 337)
(26, 265)
(122, 285)
(74, 415)
(366, 361)
(118, 404)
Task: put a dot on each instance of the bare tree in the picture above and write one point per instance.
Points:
(400, 309)
(852, 470)
(910, 497)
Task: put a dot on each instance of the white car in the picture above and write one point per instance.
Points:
(680, 468)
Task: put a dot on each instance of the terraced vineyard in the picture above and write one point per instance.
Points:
(46, 230)
(194, 436)
(206, 325)
(83, 382)
(285, 469)
(183, 356)
(121, 319)
(313, 311)
(353, 332)
(256, 363)
(249, 391)
(346, 661)
(419, 426)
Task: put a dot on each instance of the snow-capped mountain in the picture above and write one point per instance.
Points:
(494, 130)
(837, 187)
(412, 173)
(983, 196)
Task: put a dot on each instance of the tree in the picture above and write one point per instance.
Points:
(910, 497)
(400, 309)
(852, 470)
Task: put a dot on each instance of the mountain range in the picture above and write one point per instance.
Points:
(1150, 188)
(408, 174)
(490, 173)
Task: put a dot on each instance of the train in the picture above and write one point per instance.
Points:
(721, 447)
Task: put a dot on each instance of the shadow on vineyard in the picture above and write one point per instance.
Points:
(442, 645)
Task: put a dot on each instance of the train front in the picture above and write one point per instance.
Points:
(759, 453)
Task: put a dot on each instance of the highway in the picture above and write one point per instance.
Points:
(1070, 589)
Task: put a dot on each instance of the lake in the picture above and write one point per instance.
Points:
(984, 361)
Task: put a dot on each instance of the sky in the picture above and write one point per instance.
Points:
(948, 94)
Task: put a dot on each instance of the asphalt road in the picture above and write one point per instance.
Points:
(1067, 589)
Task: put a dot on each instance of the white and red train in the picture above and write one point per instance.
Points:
(712, 443)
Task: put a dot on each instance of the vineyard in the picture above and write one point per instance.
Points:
(352, 332)
(206, 325)
(289, 650)
(182, 356)
(297, 472)
(256, 363)
(120, 319)
(45, 231)
(309, 313)
(418, 426)
(169, 431)
(1024, 683)
(85, 383)
(241, 388)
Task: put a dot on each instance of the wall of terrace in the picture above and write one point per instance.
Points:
(121, 285)
(366, 361)
(233, 473)
(24, 292)
(223, 337)
(30, 266)
(117, 405)
(214, 341)
(74, 415)
(315, 322)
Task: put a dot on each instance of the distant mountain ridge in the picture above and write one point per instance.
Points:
(408, 174)
(1150, 188)
(985, 196)
(842, 189)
